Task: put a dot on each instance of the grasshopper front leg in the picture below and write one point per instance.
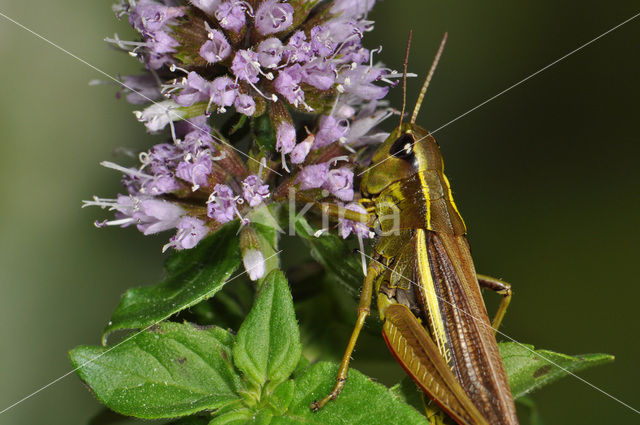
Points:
(499, 287)
(364, 308)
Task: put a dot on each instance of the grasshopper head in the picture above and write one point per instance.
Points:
(408, 150)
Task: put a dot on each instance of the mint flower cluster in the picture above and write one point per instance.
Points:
(295, 70)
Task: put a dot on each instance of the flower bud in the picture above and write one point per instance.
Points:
(252, 257)
(285, 131)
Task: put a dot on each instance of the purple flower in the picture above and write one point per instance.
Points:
(139, 183)
(207, 6)
(245, 66)
(221, 206)
(321, 41)
(253, 191)
(313, 176)
(344, 110)
(154, 215)
(160, 156)
(160, 168)
(329, 131)
(273, 16)
(159, 45)
(197, 141)
(216, 48)
(148, 16)
(288, 84)
(191, 230)
(224, 92)
(161, 42)
(196, 89)
(231, 15)
(349, 32)
(194, 123)
(156, 61)
(141, 88)
(196, 135)
(160, 183)
(345, 227)
(285, 137)
(352, 8)
(245, 104)
(359, 81)
(320, 74)
(270, 52)
(362, 130)
(196, 172)
(354, 53)
(322, 53)
(300, 152)
(298, 49)
(339, 183)
(123, 205)
(149, 214)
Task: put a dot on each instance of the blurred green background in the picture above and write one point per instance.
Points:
(546, 177)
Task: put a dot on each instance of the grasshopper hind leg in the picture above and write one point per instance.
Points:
(502, 288)
(434, 414)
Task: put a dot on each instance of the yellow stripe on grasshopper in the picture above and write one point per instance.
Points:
(453, 204)
(431, 298)
(427, 200)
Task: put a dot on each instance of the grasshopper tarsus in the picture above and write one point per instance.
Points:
(319, 404)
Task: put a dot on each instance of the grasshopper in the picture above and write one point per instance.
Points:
(428, 293)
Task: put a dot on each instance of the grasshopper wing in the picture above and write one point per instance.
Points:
(414, 349)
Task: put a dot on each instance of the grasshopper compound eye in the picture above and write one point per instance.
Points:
(403, 147)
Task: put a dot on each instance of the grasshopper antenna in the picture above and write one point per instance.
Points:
(404, 76)
(423, 91)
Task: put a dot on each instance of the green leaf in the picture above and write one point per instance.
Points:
(534, 413)
(333, 253)
(530, 369)
(282, 396)
(191, 420)
(263, 417)
(168, 371)
(195, 110)
(236, 416)
(361, 402)
(327, 319)
(192, 276)
(242, 119)
(407, 391)
(264, 133)
(268, 343)
(107, 417)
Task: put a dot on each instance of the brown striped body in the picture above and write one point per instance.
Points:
(436, 323)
